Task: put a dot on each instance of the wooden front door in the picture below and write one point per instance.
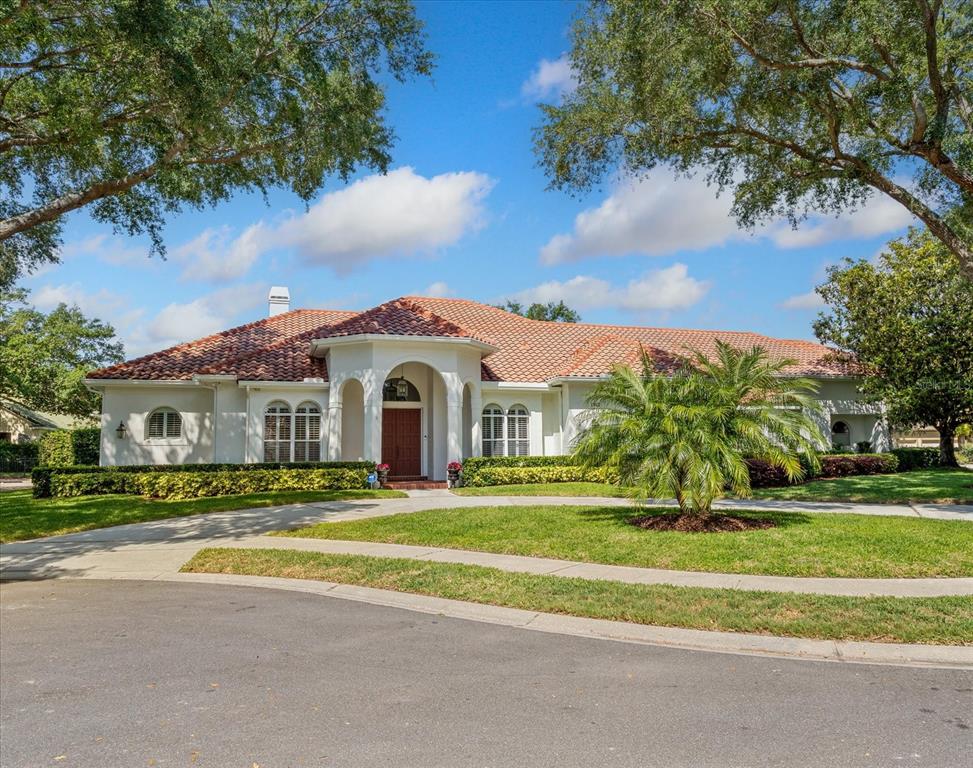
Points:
(402, 441)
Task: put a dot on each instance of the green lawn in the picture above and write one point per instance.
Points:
(545, 489)
(922, 485)
(863, 546)
(24, 517)
(944, 620)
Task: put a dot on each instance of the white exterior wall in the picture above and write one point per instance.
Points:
(133, 404)
(224, 421)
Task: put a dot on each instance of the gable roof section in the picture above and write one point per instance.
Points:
(400, 317)
(278, 348)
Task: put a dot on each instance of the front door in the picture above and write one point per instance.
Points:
(402, 441)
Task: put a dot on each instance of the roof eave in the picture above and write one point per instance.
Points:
(361, 338)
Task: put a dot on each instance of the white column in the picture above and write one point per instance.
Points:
(373, 424)
(454, 427)
(476, 412)
(334, 430)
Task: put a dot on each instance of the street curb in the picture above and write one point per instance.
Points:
(893, 654)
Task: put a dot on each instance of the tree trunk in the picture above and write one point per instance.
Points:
(947, 453)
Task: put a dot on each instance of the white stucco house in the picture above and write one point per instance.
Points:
(415, 382)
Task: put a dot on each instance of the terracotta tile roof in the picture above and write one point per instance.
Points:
(401, 317)
(532, 350)
(213, 354)
(276, 348)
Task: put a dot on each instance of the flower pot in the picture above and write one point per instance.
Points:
(383, 476)
(452, 475)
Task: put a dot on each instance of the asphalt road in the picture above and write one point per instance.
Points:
(104, 674)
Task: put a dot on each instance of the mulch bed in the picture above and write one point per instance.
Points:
(674, 521)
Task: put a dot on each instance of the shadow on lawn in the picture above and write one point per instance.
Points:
(622, 516)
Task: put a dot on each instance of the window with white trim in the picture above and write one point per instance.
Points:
(307, 433)
(277, 433)
(492, 425)
(163, 423)
(518, 435)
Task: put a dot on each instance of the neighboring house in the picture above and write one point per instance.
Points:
(415, 382)
(19, 424)
(920, 437)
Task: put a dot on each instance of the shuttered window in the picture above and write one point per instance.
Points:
(277, 433)
(492, 424)
(307, 433)
(518, 436)
(506, 434)
(163, 423)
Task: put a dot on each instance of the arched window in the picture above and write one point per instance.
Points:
(518, 436)
(492, 424)
(399, 390)
(277, 433)
(163, 423)
(840, 434)
(307, 433)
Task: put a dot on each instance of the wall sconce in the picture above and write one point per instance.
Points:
(120, 430)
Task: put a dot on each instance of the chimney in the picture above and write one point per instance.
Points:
(280, 300)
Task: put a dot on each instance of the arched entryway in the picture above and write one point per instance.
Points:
(414, 422)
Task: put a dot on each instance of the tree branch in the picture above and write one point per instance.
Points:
(74, 200)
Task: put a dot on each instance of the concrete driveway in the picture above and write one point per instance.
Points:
(127, 673)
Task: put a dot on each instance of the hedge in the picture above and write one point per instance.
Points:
(563, 473)
(509, 470)
(192, 485)
(69, 447)
(916, 458)
(52, 481)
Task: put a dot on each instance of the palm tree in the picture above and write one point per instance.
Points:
(687, 435)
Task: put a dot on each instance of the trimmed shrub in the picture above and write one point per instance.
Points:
(69, 447)
(192, 485)
(472, 467)
(550, 473)
(54, 481)
(765, 475)
(846, 465)
(916, 458)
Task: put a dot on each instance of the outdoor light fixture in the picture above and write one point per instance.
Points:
(401, 386)
(120, 430)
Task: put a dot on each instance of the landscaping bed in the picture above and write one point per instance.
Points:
(24, 517)
(941, 620)
(853, 546)
(546, 489)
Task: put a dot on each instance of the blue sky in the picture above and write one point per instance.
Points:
(464, 212)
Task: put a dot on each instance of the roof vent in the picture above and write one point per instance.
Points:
(280, 300)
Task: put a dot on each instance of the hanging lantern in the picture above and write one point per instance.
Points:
(401, 389)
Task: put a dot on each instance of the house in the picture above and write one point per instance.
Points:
(19, 424)
(415, 382)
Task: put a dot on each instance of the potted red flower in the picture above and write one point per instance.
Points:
(452, 473)
(383, 473)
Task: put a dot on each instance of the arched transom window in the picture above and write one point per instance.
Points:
(163, 423)
(292, 436)
(506, 433)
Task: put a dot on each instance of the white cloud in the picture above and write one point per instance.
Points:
(878, 216)
(110, 250)
(213, 256)
(101, 303)
(550, 79)
(395, 214)
(662, 214)
(663, 289)
(651, 216)
(809, 300)
(179, 322)
(438, 290)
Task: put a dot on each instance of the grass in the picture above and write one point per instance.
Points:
(24, 517)
(922, 485)
(545, 489)
(862, 546)
(943, 620)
